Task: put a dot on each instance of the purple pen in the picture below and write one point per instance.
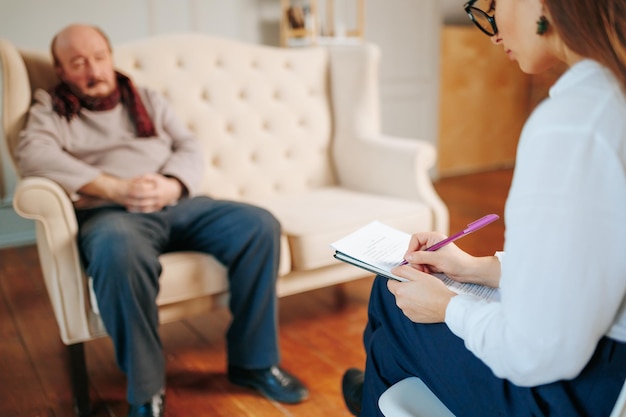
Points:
(472, 227)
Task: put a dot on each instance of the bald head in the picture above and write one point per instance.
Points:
(71, 33)
(82, 59)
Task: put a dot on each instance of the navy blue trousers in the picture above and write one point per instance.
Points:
(120, 251)
(397, 348)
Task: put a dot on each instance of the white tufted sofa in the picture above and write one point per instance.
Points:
(294, 130)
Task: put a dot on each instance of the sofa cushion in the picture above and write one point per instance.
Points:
(312, 220)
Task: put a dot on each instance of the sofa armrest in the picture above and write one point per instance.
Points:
(391, 166)
(47, 203)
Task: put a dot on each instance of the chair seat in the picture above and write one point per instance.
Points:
(411, 398)
(314, 218)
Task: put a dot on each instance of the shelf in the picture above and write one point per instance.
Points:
(315, 22)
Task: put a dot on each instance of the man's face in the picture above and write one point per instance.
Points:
(85, 62)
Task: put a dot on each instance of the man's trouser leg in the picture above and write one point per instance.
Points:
(120, 251)
(398, 348)
(246, 239)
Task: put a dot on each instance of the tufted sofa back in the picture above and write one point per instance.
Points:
(263, 114)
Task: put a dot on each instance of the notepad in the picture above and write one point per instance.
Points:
(378, 248)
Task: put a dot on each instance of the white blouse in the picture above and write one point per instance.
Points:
(563, 280)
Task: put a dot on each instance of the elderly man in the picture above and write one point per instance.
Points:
(133, 170)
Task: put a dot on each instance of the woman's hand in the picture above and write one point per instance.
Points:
(423, 298)
(451, 260)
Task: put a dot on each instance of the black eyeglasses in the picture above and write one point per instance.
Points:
(480, 17)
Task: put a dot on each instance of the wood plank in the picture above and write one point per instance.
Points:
(21, 388)
(329, 339)
(470, 197)
(43, 350)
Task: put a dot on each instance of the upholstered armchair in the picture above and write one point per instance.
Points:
(296, 131)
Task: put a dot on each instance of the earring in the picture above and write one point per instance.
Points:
(542, 25)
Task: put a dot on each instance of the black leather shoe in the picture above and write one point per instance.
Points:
(352, 388)
(272, 382)
(154, 408)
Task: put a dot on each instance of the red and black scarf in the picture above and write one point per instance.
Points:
(67, 104)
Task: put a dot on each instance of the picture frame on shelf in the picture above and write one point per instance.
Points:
(298, 22)
(341, 19)
(319, 22)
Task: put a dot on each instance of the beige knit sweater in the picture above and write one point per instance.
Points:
(74, 153)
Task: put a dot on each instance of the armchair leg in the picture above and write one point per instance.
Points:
(80, 380)
(341, 295)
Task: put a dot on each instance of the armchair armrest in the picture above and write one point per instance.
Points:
(392, 166)
(47, 203)
(364, 159)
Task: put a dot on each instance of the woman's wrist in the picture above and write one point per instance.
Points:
(485, 271)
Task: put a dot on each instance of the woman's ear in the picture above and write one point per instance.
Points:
(544, 19)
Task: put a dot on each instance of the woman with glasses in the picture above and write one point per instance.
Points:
(555, 342)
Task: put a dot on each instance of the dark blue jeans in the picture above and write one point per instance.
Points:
(397, 348)
(120, 251)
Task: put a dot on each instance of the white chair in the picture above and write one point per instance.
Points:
(619, 410)
(412, 398)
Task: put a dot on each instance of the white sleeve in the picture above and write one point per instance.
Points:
(561, 285)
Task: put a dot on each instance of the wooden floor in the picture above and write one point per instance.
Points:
(319, 338)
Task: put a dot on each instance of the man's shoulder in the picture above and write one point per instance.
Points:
(42, 106)
(42, 98)
(151, 97)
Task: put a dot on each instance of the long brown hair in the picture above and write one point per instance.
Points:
(594, 29)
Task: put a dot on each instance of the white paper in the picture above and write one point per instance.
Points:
(377, 244)
(379, 248)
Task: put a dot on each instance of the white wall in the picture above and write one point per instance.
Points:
(407, 32)
(32, 23)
